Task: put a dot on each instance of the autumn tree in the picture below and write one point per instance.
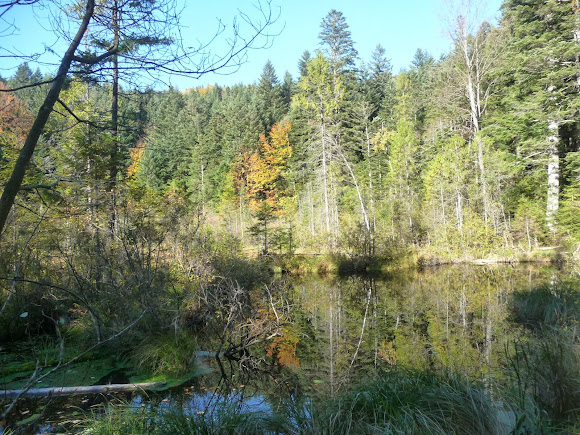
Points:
(15, 120)
(265, 179)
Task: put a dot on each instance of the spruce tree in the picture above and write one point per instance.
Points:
(269, 97)
(541, 88)
(337, 43)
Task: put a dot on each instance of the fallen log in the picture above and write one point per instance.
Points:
(90, 389)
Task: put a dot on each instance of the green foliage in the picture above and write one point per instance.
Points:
(223, 418)
(178, 230)
(226, 419)
(546, 364)
(121, 421)
(556, 306)
(337, 42)
(568, 216)
(171, 354)
(528, 225)
(414, 402)
(264, 215)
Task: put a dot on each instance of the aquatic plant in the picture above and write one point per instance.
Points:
(554, 305)
(172, 354)
(415, 402)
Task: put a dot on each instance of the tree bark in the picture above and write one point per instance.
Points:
(15, 182)
(325, 174)
(553, 194)
(114, 155)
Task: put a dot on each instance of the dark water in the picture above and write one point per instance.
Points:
(338, 332)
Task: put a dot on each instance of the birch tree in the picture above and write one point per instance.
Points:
(477, 51)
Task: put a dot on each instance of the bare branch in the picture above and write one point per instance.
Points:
(35, 380)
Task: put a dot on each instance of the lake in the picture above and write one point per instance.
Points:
(337, 332)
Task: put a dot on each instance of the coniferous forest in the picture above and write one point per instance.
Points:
(142, 225)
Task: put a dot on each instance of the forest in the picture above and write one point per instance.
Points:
(148, 224)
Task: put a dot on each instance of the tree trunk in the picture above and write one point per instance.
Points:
(114, 155)
(325, 174)
(13, 185)
(553, 194)
(360, 198)
(68, 391)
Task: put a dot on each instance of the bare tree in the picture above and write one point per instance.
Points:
(478, 53)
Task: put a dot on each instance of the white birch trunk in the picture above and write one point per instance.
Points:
(325, 174)
(553, 194)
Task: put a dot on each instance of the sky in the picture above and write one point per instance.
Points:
(401, 27)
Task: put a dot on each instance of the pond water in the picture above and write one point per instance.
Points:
(342, 330)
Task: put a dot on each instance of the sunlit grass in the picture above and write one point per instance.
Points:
(397, 402)
(172, 354)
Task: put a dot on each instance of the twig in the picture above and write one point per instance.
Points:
(34, 380)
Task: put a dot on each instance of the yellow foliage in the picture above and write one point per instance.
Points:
(264, 169)
(388, 353)
(135, 154)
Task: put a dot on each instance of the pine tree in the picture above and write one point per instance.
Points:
(165, 156)
(303, 63)
(381, 86)
(269, 97)
(337, 43)
(541, 88)
(33, 95)
(286, 92)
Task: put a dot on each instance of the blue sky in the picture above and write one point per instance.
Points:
(399, 26)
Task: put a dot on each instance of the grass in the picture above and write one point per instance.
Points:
(226, 418)
(397, 402)
(121, 420)
(171, 354)
(549, 305)
(416, 402)
(545, 366)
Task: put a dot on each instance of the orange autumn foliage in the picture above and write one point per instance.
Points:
(15, 119)
(264, 169)
(284, 349)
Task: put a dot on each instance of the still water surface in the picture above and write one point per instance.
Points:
(456, 318)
